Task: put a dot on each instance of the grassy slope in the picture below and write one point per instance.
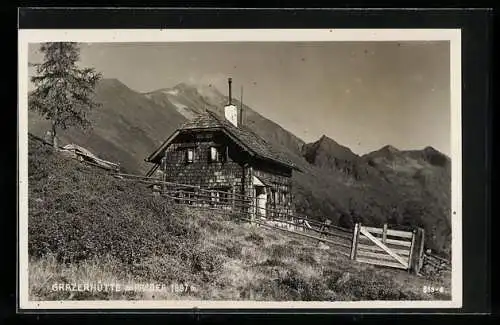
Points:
(86, 226)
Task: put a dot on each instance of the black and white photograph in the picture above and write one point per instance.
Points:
(240, 168)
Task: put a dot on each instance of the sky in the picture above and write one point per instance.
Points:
(364, 95)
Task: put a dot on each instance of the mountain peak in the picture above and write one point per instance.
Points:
(389, 148)
(327, 147)
(432, 150)
(436, 157)
(324, 138)
(387, 152)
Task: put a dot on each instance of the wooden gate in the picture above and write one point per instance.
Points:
(388, 247)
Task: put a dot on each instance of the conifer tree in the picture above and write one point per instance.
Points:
(64, 92)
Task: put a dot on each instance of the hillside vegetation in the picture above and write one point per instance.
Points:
(87, 226)
(126, 129)
(402, 188)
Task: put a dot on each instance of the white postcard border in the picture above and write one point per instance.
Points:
(26, 36)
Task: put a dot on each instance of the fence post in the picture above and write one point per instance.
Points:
(421, 252)
(412, 248)
(384, 234)
(354, 244)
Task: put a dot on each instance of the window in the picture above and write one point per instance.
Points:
(216, 154)
(189, 196)
(189, 155)
(224, 195)
(214, 197)
(277, 197)
(220, 195)
(280, 197)
(274, 196)
(284, 197)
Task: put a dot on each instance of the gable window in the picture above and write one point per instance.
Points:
(189, 155)
(216, 154)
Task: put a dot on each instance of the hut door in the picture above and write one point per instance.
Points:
(261, 198)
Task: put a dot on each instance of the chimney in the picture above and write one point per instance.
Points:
(230, 111)
(229, 82)
(241, 107)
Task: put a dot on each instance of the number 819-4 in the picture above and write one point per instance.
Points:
(432, 289)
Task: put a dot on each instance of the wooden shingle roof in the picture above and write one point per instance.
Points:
(242, 135)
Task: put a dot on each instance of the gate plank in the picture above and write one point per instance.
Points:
(390, 232)
(383, 263)
(377, 256)
(399, 233)
(378, 249)
(385, 248)
(399, 242)
(389, 241)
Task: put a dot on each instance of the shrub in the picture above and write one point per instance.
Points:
(206, 263)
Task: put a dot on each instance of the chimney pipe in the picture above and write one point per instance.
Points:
(241, 108)
(229, 81)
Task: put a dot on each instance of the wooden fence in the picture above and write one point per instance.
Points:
(378, 246)
(388, 247)
(433, 264)
(246, 208)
